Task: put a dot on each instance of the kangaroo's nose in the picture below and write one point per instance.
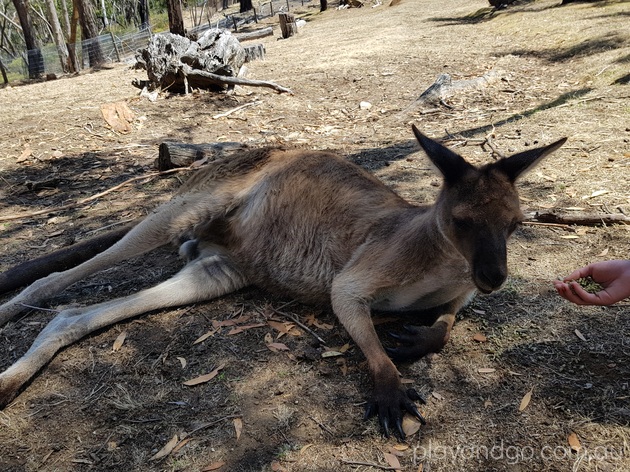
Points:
(490, 278)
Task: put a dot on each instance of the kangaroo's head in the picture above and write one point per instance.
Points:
(478, 208)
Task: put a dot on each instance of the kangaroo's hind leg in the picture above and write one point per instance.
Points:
(204, 278)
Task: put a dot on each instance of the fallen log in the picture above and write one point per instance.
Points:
(444, 87)
(199, 78)
(173, 155)
(60, 260)
(261, 33)
(582, 219)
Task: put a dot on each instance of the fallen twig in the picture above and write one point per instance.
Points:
(370, 464)
(89, 199)
(221, 115)
(323, 426)
(38, 308)
(297, 322)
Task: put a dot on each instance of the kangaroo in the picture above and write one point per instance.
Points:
(313, 226)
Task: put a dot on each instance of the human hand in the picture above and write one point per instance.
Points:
(614, 276)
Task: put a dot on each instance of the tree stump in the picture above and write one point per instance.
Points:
(287, 24)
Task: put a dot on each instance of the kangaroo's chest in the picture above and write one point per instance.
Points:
(437, 287)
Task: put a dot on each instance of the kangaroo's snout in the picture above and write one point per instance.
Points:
(489, 278)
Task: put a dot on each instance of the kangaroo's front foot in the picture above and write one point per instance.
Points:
(421, 341)
(390, 404)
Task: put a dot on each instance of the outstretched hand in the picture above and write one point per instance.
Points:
(614, 276)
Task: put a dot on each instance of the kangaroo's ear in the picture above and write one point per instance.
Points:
(519, 164)
(450, 164)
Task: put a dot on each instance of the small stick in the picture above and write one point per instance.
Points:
(370, 464)
(109, 226)
(323, 426)
(491, 146)
(38, 308)
(207, 425)
(301, 325)
(552, 225)
(215, 117)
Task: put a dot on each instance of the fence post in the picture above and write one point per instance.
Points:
(115, 46)
(288, 8)
(271, 7)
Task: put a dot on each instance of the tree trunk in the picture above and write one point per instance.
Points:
(323, 5)
(89, 30)
(60, 41)
(72, 41)
(246, 5)
(65, 19)
(35, 58)
(105, 22)
(4, 72)
(175, 17)
(143, 13)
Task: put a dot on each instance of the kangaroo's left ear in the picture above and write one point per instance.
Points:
(519, 164)
(452, 166)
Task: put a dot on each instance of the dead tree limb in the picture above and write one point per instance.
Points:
(58, 261)
(204, 79)
(583, 220)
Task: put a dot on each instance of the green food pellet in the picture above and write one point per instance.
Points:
(588, 284)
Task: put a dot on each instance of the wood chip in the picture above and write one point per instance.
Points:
(574, 442)
(486, 370)
(119, 341)
(238, 426)
(480, 338)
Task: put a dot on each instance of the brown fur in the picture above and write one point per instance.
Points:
(313, 226)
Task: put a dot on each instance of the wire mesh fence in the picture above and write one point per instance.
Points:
(112, 48)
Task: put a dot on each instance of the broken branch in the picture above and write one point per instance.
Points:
(202, 77)
(583, 220)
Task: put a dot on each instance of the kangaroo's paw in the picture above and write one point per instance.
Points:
(420, 341)
(390, 404)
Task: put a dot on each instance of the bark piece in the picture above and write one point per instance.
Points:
(173, 155)
(118, 116)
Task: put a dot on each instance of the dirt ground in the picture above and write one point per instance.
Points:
(565, 72)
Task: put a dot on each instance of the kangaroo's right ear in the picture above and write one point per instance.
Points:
(519, 164)
(451, 165)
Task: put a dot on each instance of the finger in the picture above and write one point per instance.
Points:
(413, 410)
(400, 430)
(579, 273)
(385, 422)
(415, 396)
